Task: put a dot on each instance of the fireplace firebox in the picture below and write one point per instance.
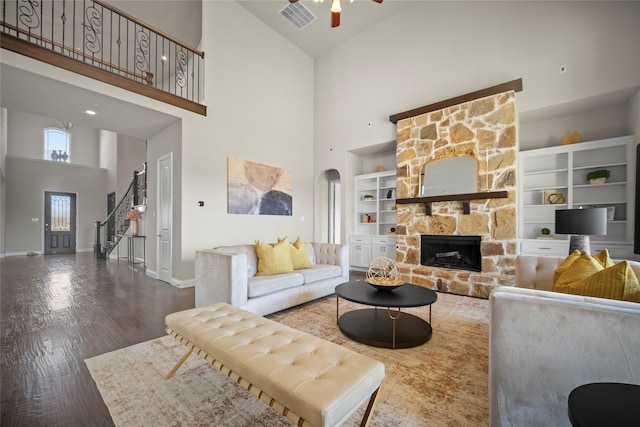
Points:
(457, 252)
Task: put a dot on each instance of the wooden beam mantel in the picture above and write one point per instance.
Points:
(514, 85)
(464, 198)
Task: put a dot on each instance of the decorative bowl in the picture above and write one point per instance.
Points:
(385, 283)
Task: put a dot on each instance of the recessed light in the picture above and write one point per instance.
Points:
(90, 112)
(164, 58)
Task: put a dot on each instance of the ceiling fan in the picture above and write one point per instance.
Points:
(335, 10)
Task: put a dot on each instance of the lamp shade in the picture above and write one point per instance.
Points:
(585, 222)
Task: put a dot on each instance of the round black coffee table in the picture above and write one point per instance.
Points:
(605, 404)
(385, 327)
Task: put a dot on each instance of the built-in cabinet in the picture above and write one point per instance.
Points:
(375, 218)
(362, 249)
(555, 178)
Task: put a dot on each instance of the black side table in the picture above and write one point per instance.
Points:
(605, 404)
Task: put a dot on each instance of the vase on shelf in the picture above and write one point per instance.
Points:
(134, 227)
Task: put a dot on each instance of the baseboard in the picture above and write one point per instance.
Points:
(189, 283)
(34, 253)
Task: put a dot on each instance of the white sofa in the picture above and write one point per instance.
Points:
(544, 344)
(227, 274)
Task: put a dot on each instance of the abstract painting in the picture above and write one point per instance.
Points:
(258, 189)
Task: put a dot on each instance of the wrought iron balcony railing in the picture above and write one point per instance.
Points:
(96, 39)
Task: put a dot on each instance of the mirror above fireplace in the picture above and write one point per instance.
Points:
(450, 175)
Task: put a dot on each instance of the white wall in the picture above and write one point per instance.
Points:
(259, 94)
(592, 125)
(109, 158)
(25, 138)
(432, 51)
(132, 153)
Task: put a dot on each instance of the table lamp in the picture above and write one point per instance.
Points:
(580, 224)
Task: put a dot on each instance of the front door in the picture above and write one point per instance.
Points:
(59, 223)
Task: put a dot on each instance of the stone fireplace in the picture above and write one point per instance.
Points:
(486, 130)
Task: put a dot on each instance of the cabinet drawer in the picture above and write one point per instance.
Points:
(365, 240)
(545, 247)
(617, 251)
(383, 240)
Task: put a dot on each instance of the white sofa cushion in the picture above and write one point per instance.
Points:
(264, 285)
(319, 272)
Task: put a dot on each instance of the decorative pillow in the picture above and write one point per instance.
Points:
(565, 264)
(274, 258)
(299, 254)
(583, 266)
(603, 258)
(616, 282)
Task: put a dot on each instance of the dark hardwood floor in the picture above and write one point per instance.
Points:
(58, 310)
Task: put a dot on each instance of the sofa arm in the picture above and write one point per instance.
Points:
(220, 277)
(544, 344)
(333, 254)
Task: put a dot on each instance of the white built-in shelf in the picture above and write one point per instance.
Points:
(563, 169)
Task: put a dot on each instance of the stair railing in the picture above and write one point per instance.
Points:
(134, 197)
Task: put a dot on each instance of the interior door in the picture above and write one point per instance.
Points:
(164, 220)
(59, 222)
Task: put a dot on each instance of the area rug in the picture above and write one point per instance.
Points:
(443, 382)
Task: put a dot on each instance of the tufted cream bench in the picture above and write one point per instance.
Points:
(309, 380)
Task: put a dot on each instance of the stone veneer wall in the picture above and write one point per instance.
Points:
(487, 130)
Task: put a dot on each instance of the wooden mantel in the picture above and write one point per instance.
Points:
(464, 198)
(514, 85)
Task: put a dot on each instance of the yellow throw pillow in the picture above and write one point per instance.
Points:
(299, 254)
(616, 282)
(604, 259)
(274, 259)
(583, 266)
(565, 264)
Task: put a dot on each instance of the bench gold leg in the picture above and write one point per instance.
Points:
(177, 365)
(370, 407)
